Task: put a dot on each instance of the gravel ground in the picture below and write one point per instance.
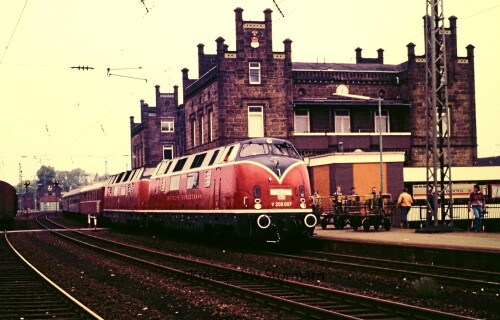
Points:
(124, 292)
(117, 291)
(477, 304)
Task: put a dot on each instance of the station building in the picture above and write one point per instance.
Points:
(156, 136)
(254, 90)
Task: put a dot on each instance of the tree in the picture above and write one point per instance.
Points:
(69, 180)
(46, 175)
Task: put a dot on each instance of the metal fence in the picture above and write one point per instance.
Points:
(460, 212)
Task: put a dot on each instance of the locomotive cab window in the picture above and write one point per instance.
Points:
(284, 149)
(253, 149)
(214, 156)
(198, 160)
(229, 155)
(180, 164)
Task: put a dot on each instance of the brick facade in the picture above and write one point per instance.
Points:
(239, 91)
(157, 136)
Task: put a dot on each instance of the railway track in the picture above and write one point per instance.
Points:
(487, 280)
(307, 301)
(25, 293)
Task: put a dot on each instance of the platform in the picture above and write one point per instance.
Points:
(458, 240)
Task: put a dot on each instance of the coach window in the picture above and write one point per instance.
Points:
(254, 72)
(168, 167)
(180, 164)
(214, 156)
(198, 160)
(192, 180)
(255, 122)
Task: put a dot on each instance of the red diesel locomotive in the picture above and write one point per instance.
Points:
(255, 189)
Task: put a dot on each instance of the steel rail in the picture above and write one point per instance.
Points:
(318, 302)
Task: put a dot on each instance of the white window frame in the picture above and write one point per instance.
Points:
(300, 118)
(385, 121)
(202, 131)
(194, 123)
(342, 119)
(254, 73)
(447, 124)
(210, 125)
(168, 147)
(167, 125)
(255, 121)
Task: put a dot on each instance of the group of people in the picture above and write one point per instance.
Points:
(476, 203)
(405, 201)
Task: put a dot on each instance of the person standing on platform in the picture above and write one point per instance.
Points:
(338, 191)
(404, 202)
(316, 201)
(477, 204)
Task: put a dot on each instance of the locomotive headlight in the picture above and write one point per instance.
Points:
(257, 204)
(302, 191)
(303, 204)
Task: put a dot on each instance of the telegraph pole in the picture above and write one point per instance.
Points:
(19, 188)
(438, 163)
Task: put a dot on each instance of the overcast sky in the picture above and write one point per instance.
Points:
(67, 118)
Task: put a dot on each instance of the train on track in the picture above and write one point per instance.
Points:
(256, 189)
(8, 205)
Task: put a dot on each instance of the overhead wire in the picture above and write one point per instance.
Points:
(13, 32)
(120, 103)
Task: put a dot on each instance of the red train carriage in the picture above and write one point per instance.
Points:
(8, 205)
(71, 201)
(126, 195)
(84, 200)
(91, 199)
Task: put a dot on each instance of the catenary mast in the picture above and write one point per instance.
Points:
(438, 163)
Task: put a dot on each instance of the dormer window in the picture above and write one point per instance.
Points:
(254, 72)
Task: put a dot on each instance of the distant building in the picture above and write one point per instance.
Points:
(157, 136)
(49, 197)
